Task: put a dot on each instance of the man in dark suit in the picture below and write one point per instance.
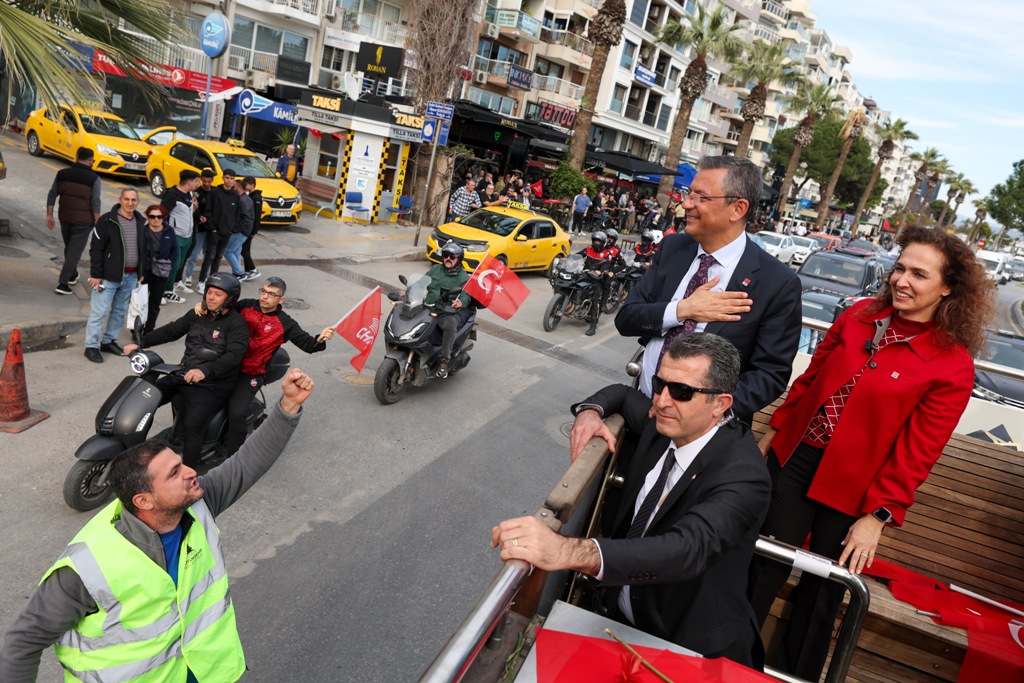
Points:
(743, 293)
(678, 540)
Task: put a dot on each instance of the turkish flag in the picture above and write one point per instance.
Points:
(495, 286)
(360, 327)
(538, 189)
(315, 133)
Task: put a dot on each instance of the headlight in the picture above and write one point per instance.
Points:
(987, 394)
(477, 246)
(139, 363)
(109, 151)
(413, 333)
(298, 198)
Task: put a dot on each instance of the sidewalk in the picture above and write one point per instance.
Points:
(30, 263)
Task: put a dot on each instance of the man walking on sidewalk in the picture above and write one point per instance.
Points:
(79, 190)
(180, 204)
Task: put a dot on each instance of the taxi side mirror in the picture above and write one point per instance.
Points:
(277, 173)
(521, 237)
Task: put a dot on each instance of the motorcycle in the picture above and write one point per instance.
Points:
(623, 282)
(575, 291)
(125, 418)
(413, 340)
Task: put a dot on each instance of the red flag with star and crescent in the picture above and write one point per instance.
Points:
(360, 327)
(495, 286)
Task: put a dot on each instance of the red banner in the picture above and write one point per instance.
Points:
(165, 75)
(360, 327)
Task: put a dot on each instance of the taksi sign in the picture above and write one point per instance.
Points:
(379, 61)
(214, 35)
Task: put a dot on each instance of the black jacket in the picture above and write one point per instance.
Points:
(257, 210)
(203, 210)
(227, 335)
(106, 251)
(222, 211)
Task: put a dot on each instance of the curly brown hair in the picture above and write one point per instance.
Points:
(963, 315)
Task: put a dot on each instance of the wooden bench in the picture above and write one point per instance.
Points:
(320, 195)
(966, 528)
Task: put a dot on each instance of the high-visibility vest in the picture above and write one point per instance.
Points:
(146, 630)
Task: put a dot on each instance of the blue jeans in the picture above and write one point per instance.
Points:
(197, 251)
(233, 253)
(113, 300)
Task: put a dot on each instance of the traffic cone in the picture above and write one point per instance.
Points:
(15, 415)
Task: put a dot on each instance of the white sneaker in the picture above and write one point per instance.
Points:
(181, 287)
(188, 281)
(201, 288)
(172, 298)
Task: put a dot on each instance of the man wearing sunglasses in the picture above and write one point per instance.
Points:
(677, 538)
(714, 279)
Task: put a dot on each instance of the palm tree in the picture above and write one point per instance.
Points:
(815, 101)
(606, 32)
(707, 35)
(850, 131)
(938, 170)
(890, 133)
(953, 179)
(39, 38)
(980, 213)
(928, 157)
(765, 63)
(964, 188)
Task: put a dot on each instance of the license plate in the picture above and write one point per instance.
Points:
(280, 214)
(134, 167)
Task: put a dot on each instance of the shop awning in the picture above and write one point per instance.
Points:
(548, 146)
(474, 112)
(628, 164)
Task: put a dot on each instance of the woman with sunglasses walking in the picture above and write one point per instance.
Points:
(162, 248)
(862, 427)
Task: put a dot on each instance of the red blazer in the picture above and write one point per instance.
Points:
(895, 423)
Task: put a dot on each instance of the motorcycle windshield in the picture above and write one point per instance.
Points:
(418, 291)
(628, 257)
(573, 264)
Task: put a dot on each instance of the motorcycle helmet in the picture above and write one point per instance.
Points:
(452, 249)
(647, 237)
(613, 236)
(598, 240)
(226, 283)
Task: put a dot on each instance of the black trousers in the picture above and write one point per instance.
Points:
(215, 244)
(247, 261)
(791, 516)
(450, 324)
(194, 405)
(157, 285)
(242, 393)
(76, 237)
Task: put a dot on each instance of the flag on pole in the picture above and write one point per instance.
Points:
(360, 327)
(495, 286)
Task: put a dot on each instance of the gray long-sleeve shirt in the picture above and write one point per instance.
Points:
(62, 600)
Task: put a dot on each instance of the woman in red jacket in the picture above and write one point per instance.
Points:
(862, 427)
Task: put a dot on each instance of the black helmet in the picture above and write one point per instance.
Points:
(599, 239)
(452, 249)
(228, 284)
(613, 236)
(647, 237)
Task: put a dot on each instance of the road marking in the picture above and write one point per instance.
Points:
(372, 238)
(51, 166)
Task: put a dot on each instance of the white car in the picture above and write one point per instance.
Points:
(804, 247)
(779, 246)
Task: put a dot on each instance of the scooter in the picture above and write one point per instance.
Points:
(575, 290)
(125, 418)
(413, 341)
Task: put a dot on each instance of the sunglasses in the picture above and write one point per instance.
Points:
(677, 390)
(155, 217)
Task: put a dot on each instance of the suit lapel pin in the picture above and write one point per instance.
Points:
(746, 281)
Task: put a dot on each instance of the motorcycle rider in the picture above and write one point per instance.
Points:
(214, 346)
(598, 269)
(449, 274)
(645, 250)
(616, 254)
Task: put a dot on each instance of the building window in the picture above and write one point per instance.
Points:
(492, 101)
(337, 59)
(628, 55)
(663, 116)
(618, 98)
(639, 12)
(294, 46)
(545, 68)
(327, 162)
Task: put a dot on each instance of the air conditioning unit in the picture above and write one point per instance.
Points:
(256, 79)
(331, 13)
(491, 30)
(337, 82)
(480, 77)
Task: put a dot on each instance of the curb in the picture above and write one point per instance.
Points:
(418, 254)
(35, 333)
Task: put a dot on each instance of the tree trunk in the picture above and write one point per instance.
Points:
(952, 216)
(581, 129)
(675, 143)
(945, 209)
(826, 198)
(867, 190)
(794, 163)
(744, 142)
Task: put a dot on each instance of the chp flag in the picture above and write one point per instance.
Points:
(360, 327)
(495, 286)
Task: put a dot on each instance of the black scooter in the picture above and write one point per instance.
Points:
(125, 418)
(413, 341)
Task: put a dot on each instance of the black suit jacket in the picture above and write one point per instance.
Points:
(767, 336)
(688, 573)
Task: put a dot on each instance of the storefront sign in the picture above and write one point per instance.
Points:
(379, 61)
(405, 134)
(165, 75)
(342, 40)
(325, 117)
(407, 120)
(520, 78)
(645, 75)
(294, 70)
(214, 35)
(324, 102)
(551, 113)
(256, 106)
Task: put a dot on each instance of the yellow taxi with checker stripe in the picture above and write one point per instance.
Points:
(514, 234)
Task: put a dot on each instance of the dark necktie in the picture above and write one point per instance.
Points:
(699, 279)
(643, 515)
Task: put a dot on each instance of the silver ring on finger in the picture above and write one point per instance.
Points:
(515, 542)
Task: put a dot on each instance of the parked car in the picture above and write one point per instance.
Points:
(842, 274)
(821, 306)
(779, 246)
(1015, 269)
(805, 246)
(1007, 349)
(827, 242)
(862, 247)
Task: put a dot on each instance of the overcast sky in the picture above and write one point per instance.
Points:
(953, 70)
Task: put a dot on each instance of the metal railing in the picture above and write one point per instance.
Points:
(568, 39)
(764, 33)
(381, 30)
(510, 18)
(559, 86)
(775, 8)
(242, 58)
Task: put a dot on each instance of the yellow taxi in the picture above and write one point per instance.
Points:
(515, 235)
(118, 149)
(282, 203)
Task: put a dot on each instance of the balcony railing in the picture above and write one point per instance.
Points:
(510, 18)
(596, 4)
(632, 112)
(389, 87)
(372, 26)
(559, 86)
(569, 40)
(775, 8)
(493, 67)
(242, 59)
(310, 7)
(188, 55)
(769, 35)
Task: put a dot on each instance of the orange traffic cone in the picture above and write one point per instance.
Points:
(15, 415)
